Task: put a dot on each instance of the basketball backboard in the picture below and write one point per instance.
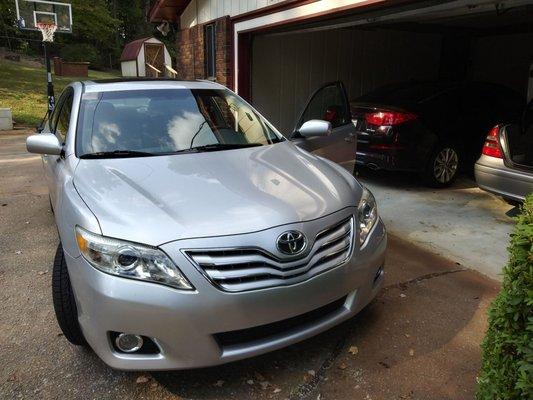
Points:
(32, 12)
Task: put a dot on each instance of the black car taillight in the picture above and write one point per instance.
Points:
(389, 118)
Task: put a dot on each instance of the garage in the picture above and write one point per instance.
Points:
(277, 53)
(483, 41)
(375, 45)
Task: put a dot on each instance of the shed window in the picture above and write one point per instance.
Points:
(210, 51)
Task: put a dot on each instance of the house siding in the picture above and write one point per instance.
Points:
(209, 10)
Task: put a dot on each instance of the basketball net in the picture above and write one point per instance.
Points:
(47, 29)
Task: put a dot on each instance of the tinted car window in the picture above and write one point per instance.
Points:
(55, 114)
(404, 95)
(327, 104)
(167, 120)
(63, 120)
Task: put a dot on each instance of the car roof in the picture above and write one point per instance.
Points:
(119, 84)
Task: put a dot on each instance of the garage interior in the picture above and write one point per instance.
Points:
(447, 41)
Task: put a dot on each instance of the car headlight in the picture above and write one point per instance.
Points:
(130, 260)
(367, 215)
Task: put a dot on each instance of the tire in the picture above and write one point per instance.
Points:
(442, 166)
(64, 301)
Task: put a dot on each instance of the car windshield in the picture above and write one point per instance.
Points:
(167, 121)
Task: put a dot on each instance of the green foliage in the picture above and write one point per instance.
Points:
(133, 23)
(79, 52)
(507, 370)
(9, 33)
(101, 28)
(7, 17)
(94, 31)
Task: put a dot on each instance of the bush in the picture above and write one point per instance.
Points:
(79, 52)
(507, 369)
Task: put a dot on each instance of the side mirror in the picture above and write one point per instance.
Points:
(315, 127)
(44, 143)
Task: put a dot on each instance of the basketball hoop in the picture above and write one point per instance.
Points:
(47, 29)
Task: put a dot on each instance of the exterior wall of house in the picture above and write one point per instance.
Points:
(190, 52)
(209, 10)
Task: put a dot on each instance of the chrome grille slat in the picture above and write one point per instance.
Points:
(243, 269)
(215, 273)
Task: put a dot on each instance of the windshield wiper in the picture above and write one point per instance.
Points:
(224, 146)
(118, 154)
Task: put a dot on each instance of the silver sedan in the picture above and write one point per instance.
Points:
(193, 233)
(505, 167)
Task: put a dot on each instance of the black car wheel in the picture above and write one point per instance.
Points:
(442, 167)
(64, 302)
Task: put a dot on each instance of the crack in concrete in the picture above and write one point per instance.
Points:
(305, 390)
(405, 284)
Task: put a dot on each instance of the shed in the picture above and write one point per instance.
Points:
(146, 57)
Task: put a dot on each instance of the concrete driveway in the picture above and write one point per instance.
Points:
(418, 340)
(463, 223)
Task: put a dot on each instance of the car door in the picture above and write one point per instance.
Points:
(49, 127)
(60, 121)
(330, 103)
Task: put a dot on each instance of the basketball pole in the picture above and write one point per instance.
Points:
(50, 85)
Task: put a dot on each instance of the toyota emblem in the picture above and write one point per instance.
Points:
(291, 242)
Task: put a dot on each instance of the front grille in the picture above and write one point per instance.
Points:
(286, 326)
(242, 269)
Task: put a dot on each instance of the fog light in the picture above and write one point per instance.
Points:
(129, 343)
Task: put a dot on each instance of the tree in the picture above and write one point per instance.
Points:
(8, 30)
(93, 27)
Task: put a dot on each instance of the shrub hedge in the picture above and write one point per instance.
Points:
(507, 368)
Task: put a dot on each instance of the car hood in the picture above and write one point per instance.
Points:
(154, 200)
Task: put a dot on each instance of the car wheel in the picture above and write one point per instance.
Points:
(442, 167)
(64, 302)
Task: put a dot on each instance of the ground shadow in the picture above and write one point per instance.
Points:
(378, 330)
(408, 180)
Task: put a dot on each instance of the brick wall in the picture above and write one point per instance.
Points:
(224, 52)
(190, 52)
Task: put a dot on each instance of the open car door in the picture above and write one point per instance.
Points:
(330, 103)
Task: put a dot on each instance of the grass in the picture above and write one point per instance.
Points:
(23, 89)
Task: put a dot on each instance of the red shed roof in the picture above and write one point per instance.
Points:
(131, 50)
(167, 10)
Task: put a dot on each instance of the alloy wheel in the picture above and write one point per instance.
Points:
(445, 165)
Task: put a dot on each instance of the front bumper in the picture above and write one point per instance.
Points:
(494, 176)
(183, 324)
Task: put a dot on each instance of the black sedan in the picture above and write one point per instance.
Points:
(430, 128)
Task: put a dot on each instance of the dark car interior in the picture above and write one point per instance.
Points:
(520, 139)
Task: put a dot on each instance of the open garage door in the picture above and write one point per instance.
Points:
(455, 41)
(438, 42)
